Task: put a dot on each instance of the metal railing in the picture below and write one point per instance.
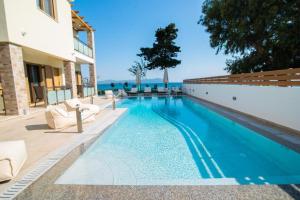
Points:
(86, 91)
(2, 103)
(58, 95)
(286, 77)
(82, 47)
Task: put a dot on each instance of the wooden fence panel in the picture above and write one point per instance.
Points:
(285, 77)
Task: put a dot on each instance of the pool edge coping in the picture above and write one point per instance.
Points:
(264, 127)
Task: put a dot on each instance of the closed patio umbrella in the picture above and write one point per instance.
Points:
(138, 78)
(166, 78)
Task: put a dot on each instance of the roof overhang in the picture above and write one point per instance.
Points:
(79, 24)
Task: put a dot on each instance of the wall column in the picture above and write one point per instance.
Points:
(93, 76)
(92, 67)
(12, 73)
(70, 77)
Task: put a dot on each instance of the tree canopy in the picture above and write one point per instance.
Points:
(164, 51)
(134, 68)
(260, 35)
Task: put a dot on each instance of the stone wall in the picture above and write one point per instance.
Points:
(13, 79)
(70, 77)
(92, 67)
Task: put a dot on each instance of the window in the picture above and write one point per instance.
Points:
(47, 6)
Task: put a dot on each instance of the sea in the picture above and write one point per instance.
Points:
(130, 85)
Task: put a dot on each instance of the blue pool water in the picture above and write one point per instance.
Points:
(176, 141)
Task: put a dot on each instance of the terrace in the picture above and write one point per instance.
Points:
(34, 130)
(64, 136)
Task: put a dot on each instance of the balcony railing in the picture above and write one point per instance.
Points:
(58, 95)
(86, 91)
(82, 47)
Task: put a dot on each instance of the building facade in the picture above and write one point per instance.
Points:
(40, 51)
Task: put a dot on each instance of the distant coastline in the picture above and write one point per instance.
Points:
(120, 85)
(132, 81)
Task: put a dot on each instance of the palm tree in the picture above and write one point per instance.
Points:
(138, 70)
(134, 68)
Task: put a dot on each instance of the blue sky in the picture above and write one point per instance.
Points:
(123, 26)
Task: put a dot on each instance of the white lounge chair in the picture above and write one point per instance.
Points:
(109, 94)
(176, 90)
(58, 118)
(147, 90)
(133, 91)
(121, 93)
(162, 90)
(13, 155)
(72, 104)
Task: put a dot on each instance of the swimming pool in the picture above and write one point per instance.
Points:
(177, 141)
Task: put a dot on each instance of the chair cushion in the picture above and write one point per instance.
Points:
(72, 103)
(12, 157)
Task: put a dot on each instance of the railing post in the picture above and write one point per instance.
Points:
(64, 93)
(113, 102)
(92, 99)
(56, 95)
(79, 120)
(45, 96)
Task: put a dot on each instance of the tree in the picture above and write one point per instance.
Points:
(163, 53)
(134, 68)
(260, 35)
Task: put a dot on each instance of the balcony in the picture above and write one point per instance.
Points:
(83, 48)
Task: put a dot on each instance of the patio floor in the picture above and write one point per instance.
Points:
(34, 131)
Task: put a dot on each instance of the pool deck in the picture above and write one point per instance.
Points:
(39, 139)
(44, 187)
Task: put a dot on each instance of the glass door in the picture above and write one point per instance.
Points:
(35, 79)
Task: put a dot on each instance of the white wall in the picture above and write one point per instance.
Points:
(280, 105)
(36, 57)
(42, 32)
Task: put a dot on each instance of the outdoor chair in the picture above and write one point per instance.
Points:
(109, 94)
(162, 90)
(122, 93)
(72, 104)
(13, 155)
(39, 94)
(133, 91)
(147, 91)
(58, 118)
(176, 90)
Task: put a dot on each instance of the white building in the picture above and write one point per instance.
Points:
(41, 54)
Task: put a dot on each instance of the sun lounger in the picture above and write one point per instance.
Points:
(162, 90)
(133, 91)
(121, 93)
(176, 90)
(109, 94)
(147, 91)
(13, 155)
(57, 117)
(72, 104)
